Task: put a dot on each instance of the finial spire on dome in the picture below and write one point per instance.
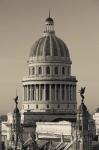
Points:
(49, 12)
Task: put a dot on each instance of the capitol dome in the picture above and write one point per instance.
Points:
(49, 46)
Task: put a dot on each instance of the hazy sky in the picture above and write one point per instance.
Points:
(22, 22)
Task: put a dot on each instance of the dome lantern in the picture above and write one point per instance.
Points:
(49, 25)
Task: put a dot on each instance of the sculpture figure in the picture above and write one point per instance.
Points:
(16, 100)
(82, 91)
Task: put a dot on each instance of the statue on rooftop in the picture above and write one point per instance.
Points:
(16, 100)
(82, 91)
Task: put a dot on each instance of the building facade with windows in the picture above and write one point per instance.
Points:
(49, 88)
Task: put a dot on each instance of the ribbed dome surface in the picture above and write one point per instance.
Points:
(49, 45)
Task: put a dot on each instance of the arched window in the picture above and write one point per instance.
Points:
(63, 70)
(33, 71)
(56, 70)
(40, 70)
(47, 70)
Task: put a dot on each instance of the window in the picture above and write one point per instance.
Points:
(47, 70)
(63, 70)
(33, 71)
(56, 70)
(25, 93)
(40, 70)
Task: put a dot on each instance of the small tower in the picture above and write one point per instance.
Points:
(16, 125)
(83, 125)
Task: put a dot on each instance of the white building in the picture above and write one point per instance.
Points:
(54, 130)
(96, 118)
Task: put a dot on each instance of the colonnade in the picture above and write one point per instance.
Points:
(50, 92)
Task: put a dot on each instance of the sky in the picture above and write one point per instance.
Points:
(22, 22)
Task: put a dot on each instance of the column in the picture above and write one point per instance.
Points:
(30, 92)
(40, 92)
(27, 92)
(35, 92)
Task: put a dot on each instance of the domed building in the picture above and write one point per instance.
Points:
(49, 89)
